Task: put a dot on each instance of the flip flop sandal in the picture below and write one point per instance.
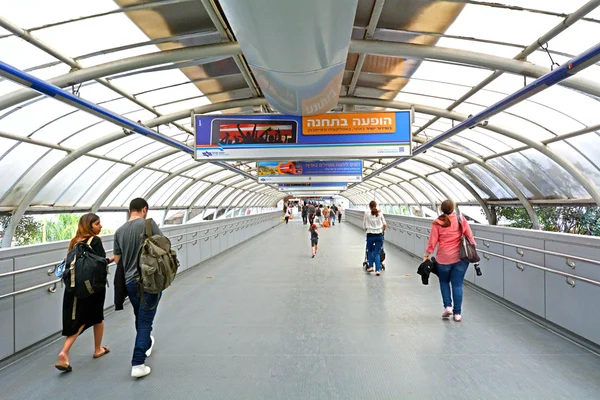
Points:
(63, 367)
(105, 352)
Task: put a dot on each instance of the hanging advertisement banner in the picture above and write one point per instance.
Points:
(301, 187)
(324, 136)
(309, 171)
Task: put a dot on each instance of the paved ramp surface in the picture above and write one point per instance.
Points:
(265, 321)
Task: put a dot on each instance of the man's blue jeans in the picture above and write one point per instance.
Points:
(452, 274)
(144, 317)
(374, 243)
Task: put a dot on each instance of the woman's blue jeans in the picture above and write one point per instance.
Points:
(452, 274)
(374, 243)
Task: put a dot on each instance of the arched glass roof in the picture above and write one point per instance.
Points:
(146, 60)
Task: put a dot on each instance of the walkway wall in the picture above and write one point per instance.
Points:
(523, 267)
(34, 315)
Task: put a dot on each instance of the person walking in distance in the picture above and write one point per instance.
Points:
(314, 239)
(304, 214)
(80, 314)
(288, 214)
(446, 235)
(128, 241)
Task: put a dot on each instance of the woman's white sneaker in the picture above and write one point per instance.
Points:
(447, 312)
(457, 317)
(138, 371)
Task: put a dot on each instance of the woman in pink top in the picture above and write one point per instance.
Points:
(446, 234)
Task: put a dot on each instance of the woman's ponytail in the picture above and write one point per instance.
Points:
(447, 209)
(373, 207)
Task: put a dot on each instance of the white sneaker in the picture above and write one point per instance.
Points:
(457, 317)
(149, 351)
(447, 312)
(139, 371)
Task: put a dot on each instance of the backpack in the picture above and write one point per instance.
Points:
(85, 272)
(157, 263)
(318, 212)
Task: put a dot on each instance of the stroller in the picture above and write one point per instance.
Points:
(381, 254)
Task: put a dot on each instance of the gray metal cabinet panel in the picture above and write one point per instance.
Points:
(215, 244)
(565, 305)
(492, 278)
(224, 240)
(7, 332)
(410, 239)
(524, 288)
(205, 249)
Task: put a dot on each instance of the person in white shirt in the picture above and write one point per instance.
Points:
(374, 224)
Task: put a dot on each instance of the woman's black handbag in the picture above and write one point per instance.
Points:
(467, 249)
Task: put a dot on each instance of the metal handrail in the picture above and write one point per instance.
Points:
(52, 264)
(553, 271)
(52, 288)
(550, 253)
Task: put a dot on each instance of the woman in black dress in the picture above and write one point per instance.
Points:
(89, 311)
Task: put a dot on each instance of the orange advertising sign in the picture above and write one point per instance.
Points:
(349, 123)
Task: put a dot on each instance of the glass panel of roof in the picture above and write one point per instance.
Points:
(138, 185)
(588, 145)
(61, 181)
(420, 168)
(217, 200)
(509, 122)
(81, 37)
(142, 82)
(464, 143)
(490, 23)
(542, 179)
(478, 186)
(430, 101)
(458, 74)
(20, 12)
(36, 171)
(550, 177)
(219, 175)
(435, 89)
(585, 166)
(231, 199)
(436, 158)
(482, 178)
(569, 102)
(520, 180)
(16, 162)
(6, 87)
(83, 183)
(170, 94)
(578, 38)
(189, 194)
(58, 130)
(592, 72)
(22, 55)
(169, 190)
(394, 198)
(100, 185)
(51, 72)
(201, 202)
(438, 196)
(121, 106)
(25, 121)
(164, 161)
(85, 61)
(92, 133)
(421, 198)
(451, 186)
(183, 105)
(397, 174)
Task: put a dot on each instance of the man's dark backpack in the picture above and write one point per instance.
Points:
(85, 272)
(318, 212)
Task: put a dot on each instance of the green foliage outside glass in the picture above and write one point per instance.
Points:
(570, 219)
(30, 231)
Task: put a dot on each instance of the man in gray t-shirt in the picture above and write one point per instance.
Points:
(128, 240)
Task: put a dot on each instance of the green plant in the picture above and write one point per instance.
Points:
(28, 230)
(64, 228)
(568, 219)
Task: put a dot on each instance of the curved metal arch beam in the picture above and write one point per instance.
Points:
(233, 194)
(510, 65)
(74, 155)
(235, 202)
(589, 186)
(435, 185)
(125, 65)
(393, 188)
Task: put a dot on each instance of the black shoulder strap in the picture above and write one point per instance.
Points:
(149, 227)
